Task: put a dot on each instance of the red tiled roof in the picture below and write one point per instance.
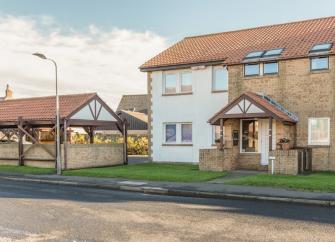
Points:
(268, 106)
(296, 38)
(41, 108)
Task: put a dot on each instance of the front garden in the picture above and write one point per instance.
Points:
(150, 172)
(318, 181)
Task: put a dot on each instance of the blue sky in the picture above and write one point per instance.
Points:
(173, 19)
(100, 44)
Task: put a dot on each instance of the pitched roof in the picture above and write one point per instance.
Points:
(251, 104)
(41, 108)
(141, 116)
(296, 38)
(138, 103)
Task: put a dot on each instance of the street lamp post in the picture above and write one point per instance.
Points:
(58, 158)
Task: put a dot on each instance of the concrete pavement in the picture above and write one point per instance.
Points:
(205, 190)
(31, 211)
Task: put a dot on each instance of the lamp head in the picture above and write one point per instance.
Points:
(40, 56)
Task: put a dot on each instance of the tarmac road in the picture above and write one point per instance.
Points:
(41, 212)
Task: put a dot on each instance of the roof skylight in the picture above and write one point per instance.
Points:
(273, 52)
(254, 54)
(321, 47)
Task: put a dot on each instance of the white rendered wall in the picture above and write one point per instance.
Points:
(196, 108)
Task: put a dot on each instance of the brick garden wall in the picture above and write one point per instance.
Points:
(286, 162)
(217, 160)
(79, 155)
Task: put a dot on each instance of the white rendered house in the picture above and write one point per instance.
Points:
(182, 102)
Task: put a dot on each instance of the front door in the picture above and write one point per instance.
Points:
(264, 138)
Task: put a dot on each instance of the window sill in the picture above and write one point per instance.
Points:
(177, 144)
(259, 77)
(271, 74)
(219, 91)
(320, 71)
(177, 94)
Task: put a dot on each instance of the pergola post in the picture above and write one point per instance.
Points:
(20, 141)
(270, 133)
(125, 142)
(221, 134)
(91, 134)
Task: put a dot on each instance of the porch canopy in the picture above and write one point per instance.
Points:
(253, 105)
(23, 117)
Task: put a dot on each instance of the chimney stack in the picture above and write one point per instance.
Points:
(9, 92)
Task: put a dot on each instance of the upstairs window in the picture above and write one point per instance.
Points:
(319, 63)
(321, 47)
(273, 52)
(251, 69)
(220, 79)
(175, 83)
(254, 54)
(270, 68)
(170, 83)
(186, 82)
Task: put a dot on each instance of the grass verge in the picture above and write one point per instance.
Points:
(150, 172)
(26, 170)
(318, 181)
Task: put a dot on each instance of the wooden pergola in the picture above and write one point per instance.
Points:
(24, 117)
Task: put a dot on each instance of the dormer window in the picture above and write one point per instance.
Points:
(254, 54)
(273, 52)
(321, 47)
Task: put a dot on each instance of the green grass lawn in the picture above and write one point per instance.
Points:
(26, 170)
(150, 172)
(318, 181)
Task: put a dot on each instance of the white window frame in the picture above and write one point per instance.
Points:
(213, 133)
(224, 68)
(310, 142)
(178, 134)
(178, 83)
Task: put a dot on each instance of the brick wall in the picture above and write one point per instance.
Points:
(217, 160)
(286, 162)
(78, 155)
(248, 161)
(94, 155)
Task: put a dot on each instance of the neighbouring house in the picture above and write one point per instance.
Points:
(134, 108)
(137, 122)
(246, 99)
(32, 122)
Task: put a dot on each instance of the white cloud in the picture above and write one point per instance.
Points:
(95, 61)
